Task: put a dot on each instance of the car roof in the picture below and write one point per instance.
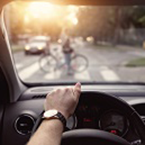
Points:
(84, 2)
(43, 38)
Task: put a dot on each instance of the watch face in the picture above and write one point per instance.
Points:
(50, 113)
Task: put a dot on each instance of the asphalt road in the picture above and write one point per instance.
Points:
(105, 64)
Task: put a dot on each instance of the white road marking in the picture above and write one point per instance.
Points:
(108, 74)
(29, 71)
(82, 76)
(103, 67)
(18, 66)
(53, 75)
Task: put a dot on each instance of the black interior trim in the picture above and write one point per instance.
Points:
(117, 90)
(31, 84)
(1, 121)
(4, 89)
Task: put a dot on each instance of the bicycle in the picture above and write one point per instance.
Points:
(49, 62)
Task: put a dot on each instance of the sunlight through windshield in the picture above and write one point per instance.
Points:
(53, 43)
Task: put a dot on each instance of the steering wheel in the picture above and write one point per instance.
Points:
(99, 137)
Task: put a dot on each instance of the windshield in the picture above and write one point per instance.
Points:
(76, 43)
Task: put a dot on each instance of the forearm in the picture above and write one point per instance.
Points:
(49, 133)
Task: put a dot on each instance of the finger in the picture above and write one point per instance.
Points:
(77, 89)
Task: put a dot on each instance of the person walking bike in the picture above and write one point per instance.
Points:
(67, 50)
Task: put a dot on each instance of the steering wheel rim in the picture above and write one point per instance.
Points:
(119, 103)
(91, 137)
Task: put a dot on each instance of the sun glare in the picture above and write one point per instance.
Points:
(75, 21)
(37, 17)
(44, 10)
(40, 9)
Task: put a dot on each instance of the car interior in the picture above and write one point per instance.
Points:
(108, 113)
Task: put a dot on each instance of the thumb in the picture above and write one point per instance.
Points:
(77, 89)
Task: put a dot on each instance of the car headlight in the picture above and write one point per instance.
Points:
(27, 47)
(40, 48)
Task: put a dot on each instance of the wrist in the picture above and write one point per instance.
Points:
(53, 124)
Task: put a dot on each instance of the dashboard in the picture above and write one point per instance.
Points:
(109, 120)
(20, 117)
(98, 114)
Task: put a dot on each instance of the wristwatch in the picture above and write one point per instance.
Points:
(54, 114)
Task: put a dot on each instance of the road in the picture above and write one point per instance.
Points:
(105, 64)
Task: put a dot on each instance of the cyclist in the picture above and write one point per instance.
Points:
(47, 50)
(67, 50)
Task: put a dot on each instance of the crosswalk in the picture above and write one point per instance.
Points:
(108, 74)
(19, 66)
(33, 71)
(53, 75)
(29, 71)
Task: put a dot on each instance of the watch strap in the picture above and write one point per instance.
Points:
(61, 118)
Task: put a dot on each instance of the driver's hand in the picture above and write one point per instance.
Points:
(64, 100)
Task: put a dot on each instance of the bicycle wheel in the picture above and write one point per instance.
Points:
(79, 63)
(47, 63)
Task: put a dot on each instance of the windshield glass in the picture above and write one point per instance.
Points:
(52, 43)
